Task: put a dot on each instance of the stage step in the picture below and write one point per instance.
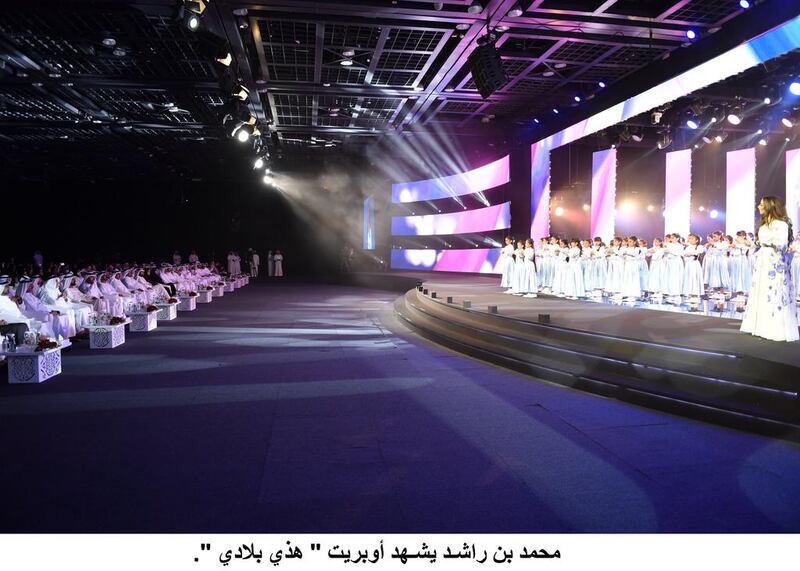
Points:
(714, 384)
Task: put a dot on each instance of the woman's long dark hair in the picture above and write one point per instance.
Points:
(774, 209)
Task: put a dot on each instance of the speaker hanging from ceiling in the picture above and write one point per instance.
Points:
(487, 69)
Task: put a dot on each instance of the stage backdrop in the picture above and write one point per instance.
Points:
(471, 221)
(767, 46)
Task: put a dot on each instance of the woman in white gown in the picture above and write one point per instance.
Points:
(771, 312)
(278, 264)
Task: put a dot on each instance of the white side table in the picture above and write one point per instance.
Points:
(27, 366)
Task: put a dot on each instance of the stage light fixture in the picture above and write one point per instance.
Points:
(794, 88)
(601, 84)
(707, 140)
(787, 122)
(745, 4)
(475, 7)
(516, 11)
(240, 92)
(267, 179)
(664, 141)
(760, 132)
(586, 207)
(701, 209)
(734, 119)
(559, 211)
(555, 110)
(243, 135)
(691, 34)
(259, 163)
(190, 21)
(577, 98)
(693, 123)
(225, 58)
(650, 207)
(347, 62)
(189, 12)
(762, 142)
(536, 120)
(714, 214)
(767, 100)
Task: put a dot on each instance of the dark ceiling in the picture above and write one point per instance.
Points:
(152, 102)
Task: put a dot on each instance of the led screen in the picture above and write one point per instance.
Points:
(477, 180)
(478, 260)
(467, 222)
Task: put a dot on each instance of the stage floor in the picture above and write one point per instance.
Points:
(643, 321)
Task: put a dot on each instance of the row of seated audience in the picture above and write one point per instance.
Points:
(62, 305)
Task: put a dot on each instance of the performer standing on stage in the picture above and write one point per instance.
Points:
(771, 310)
(692, 271)
(507, 264)
(519, 284)
(530, 269)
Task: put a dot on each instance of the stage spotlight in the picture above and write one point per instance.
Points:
(586, 207)
(794, 87)
(347, 62)
(693, 122)
(536, 120)
(760, 132)
(243, 135)
(788, 123)
(577, 99)
(691, 34)
(762, 142)
(721, 137)
(601, 84)
(627, 207)
(767, 100)
(745, 4)
(189, 12)
(664, 141)
(267, 179)
(734, 119)
(713, 214)
(476, 7)
(650, 207)
(555, 110)
(701, 209)
(190, 21)
(559, 211)
(516, 11)
(707, 140)
(259, 163)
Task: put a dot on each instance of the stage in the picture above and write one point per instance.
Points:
(689, 363)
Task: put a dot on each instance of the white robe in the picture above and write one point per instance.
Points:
(771, 311)
(278, 265)
(53, 298)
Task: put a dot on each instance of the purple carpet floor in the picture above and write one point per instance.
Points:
(299, 407)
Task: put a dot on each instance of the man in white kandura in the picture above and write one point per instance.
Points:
(771, 311)
(255, 260)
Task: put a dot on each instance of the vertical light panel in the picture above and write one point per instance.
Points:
(369, 224)
(540, 190)
(678, 192)
(793, 185)
(740, 196)
(604, 192)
